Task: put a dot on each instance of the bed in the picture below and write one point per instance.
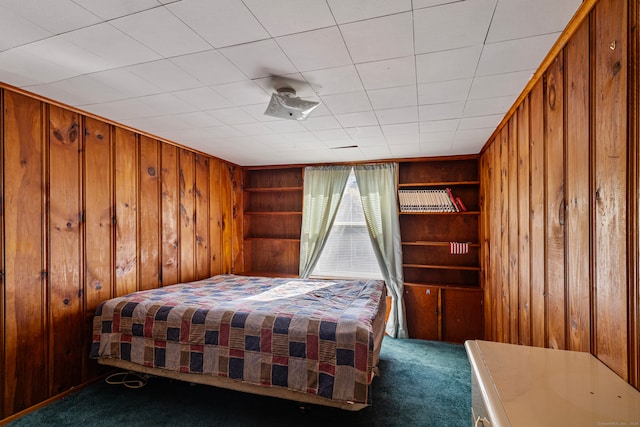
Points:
(312, 341)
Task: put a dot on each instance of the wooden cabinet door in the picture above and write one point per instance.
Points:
(461, 314)
(421, 308)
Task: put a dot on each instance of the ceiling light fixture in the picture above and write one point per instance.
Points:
(286, 105)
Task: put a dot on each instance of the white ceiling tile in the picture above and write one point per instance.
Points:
(439, 125)
(253, 128)
(388, 73)
(203, 98)
(350, 120)
(57, 17)
(490, 121)
(440, 28)
(447, 65)
(16, 30)
(379, 38)
(516, 19)
(284, 126)
(437, 137)
(243, 93)
(351, 102)
(116, 8)
(419, 4)
(49, 60)
(83, 90)
(434, 149)
(162, 32)
(499, 84)
(165, 74)
(398, 115)
(210, 67)
(314, 50)
(163, 103)
(282, 17)
(450, 110)
(403, 139)
(321, 123)
(220, 22)
(401, 129)
(118, 110)
(127, 82)
(334, 80)
(405, 150)
(442, 92)
(483, 107)
(331, 134)
(515, 55)
(395, 97)
(358, 10)
(231, 116)
(365, 132)
(112, 45)
(259, 59)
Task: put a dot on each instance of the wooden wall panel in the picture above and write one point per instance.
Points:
(583, 190)
(2, 264)
(65, 221)
(536, 223)
(226, 202)
(126, 205)
(503, 314)
(513, 231)
(554, 204)
(634, 191)
(149, 213)
(577, 191)
(203, 252)
(25, 367)
(524, 256)
(98, 226)
(237, 198)
(610, 175)
(170, 215)
(486, 278)
(215, 215)
(90, 210)
(187, 214)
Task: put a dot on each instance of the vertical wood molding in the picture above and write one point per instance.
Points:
(64, 223)
(555, 204)
(524, 244)
(170, 212)
(578, 198)
(503, 313)
(149, 222)
(610, 159)
(536, 219)
(2, 259)
(634, 193)
(202, 223)
(513, 230)
(187, 184)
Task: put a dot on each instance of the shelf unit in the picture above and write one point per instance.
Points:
(272, 220)
(443, 298)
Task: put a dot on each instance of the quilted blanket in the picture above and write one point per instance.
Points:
(307, 335)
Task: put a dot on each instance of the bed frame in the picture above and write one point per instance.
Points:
(271, 391)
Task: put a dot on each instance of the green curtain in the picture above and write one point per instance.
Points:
(377, 185)
(323, 188)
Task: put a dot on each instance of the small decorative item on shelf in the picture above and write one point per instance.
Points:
(458, 248)
(433, 200)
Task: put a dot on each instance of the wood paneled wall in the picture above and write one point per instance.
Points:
(89, 211)
(559, 199)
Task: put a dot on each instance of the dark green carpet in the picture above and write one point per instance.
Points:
(421, 383)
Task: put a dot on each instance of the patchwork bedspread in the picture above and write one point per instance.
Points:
(307, 335)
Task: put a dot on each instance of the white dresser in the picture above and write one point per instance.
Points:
(521, 386)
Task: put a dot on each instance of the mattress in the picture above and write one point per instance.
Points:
(313, 337)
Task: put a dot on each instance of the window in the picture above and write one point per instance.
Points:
(348, 252)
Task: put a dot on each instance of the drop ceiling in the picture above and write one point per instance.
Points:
(395, 78)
